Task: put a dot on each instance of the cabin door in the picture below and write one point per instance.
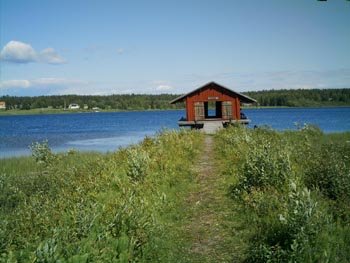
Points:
(227, 110)
(199, 111)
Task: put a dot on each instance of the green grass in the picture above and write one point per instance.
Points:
(337, 138)
(257, 195)
(21, 166)
(89, 207)
(17, 166)
(291, 191)
(35, 111)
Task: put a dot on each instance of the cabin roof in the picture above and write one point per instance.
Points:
(242, 97)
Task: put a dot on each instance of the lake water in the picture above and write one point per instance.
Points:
(109, 131)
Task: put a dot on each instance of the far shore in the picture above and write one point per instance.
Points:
(69, 111)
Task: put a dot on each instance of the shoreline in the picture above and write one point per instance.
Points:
(60, 111)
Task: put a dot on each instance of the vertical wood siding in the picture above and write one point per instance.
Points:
(213, 93)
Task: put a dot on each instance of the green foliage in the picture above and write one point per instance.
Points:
(288, 98)
(138, 162)
(328, 172)
(291, 191)
(302, 97)
(264, 167)
(42, 153)
(110, 102)
(89, 207)
(288, 225)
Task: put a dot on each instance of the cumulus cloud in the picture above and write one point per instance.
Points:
(160, 86)
(19, 52)
(49, 55)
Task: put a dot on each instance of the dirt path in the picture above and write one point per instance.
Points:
(209, 228)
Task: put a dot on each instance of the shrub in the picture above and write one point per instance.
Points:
(42, 153)
(291, 193)
(286, 228)
(94, 207)
(327, 171)
(137, 163)
(265, 167)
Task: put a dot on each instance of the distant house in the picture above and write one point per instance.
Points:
(73, 106)
(213, 103)
(2, 105)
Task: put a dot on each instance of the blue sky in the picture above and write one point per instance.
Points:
(113, 47)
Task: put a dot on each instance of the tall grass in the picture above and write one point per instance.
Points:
(289, 192)
(292, 192)
(77, 207)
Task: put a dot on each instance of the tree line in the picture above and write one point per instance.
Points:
(287, 98)
(302, 97)
(110, 102)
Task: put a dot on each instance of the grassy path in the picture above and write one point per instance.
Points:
(209, 226)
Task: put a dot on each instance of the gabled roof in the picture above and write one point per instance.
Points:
(242, 97)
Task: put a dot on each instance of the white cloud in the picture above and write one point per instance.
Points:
(120, 50)
(19, 52)
(60, 83)
(301, 79)
(160, 86)
(49, 55)
(283, 79)
(163, 88)
(15, 84)
(59, 86)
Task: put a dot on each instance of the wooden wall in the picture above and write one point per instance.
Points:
(212, 93)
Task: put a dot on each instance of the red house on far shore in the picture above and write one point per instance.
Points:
(213, 102)
(2, 105)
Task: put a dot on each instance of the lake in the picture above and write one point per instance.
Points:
(107, 131)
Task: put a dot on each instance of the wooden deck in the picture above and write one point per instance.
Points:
(202, 122)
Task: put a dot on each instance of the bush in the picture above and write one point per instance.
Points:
(137, 163)
(283, 225)
(94, 207)
(42, 153)
(328, 172)
(291, 193)
(264, 167)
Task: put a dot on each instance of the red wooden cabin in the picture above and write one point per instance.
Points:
(225, 105)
